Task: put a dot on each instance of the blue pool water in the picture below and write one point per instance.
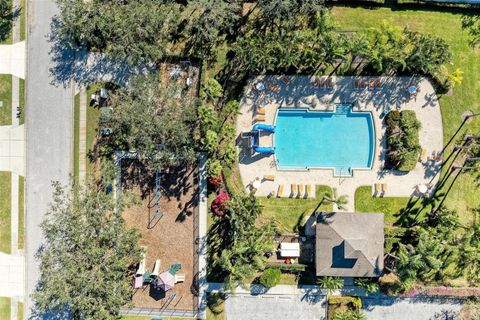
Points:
(311, 139)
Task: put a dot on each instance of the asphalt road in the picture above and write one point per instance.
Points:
(49, 127)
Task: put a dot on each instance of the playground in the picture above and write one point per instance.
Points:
(166, 218)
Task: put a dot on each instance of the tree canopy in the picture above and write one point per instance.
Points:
(155, 120)
(239, 247)
(6, 17)
(86, 255)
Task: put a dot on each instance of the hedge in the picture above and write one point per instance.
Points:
(287, 267)
(356, 302)
(402, 139)
(270, 277)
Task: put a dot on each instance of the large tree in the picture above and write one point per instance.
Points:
(207, 24)
(6, 17)
(86, 255)
(155, 120)
(136, 31)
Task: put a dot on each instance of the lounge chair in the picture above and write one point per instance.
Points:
(259, 117)
(356, 83)
(156, 268)
(260, 110)
(378, 188)
(280, 191)
(330, 83)
(308, 189)
(378, 83)
(300, 190)
(384, 187)
(423, 156)
(180, 277)
(294, 190)
(363, 84)
(269, 177)
(322, 82)
(141, 265)
(371, 84)
(285, 79)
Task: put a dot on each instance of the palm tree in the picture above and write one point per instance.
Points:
(339, 202)
(350, 315)
(330, 283)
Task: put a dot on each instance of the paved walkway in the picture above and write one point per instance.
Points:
(12, 59)
(202, 236)
(299, 92)
(12, 279)
(12, 149)
(82, 153)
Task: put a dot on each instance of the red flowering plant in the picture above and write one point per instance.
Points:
(220, 203)
(215, 183)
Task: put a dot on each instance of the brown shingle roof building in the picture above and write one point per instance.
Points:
(349, 244)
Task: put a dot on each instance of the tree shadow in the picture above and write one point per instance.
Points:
(7, 16)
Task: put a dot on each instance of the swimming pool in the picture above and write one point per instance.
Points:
(341, 140)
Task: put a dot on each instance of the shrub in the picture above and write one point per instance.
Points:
(270, 277)
(402, 139)
(219, 203)
(295, 267)
(353, 302)
(368, 284)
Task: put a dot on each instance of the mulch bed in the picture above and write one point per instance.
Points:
(172, 238)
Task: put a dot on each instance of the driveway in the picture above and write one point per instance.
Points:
(410, 308)
(277, 307)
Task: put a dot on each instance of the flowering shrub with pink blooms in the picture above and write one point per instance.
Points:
(220, 203)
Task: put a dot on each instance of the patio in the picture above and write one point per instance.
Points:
(170, 238)
(309, 92)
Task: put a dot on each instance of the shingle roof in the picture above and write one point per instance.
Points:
(349, 244)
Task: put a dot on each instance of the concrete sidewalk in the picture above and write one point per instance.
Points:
(12, 149)
(12, 59)
(12, 279)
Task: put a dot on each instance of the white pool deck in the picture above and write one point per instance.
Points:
(299, 92)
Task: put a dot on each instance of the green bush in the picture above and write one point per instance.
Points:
(389, 243)
(354, 302)
(402, 139)
(296, 267)
(270, 277)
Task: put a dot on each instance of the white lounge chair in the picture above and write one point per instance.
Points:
(156, 268)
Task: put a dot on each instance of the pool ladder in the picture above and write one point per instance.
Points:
(342, 108)
(342, 172)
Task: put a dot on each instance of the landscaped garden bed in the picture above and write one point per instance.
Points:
(402, 139)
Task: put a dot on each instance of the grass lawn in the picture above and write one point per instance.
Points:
(6, 98)
(463, 195)
(20, 311)
(391, 207)
(22, 101)
(6, 34)
(23, 15)
(93, 115)
(76, 136)
(21, 211)
(215, 307)
(150, 317)
(5, 308)
(5, 208)
(289, 213)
